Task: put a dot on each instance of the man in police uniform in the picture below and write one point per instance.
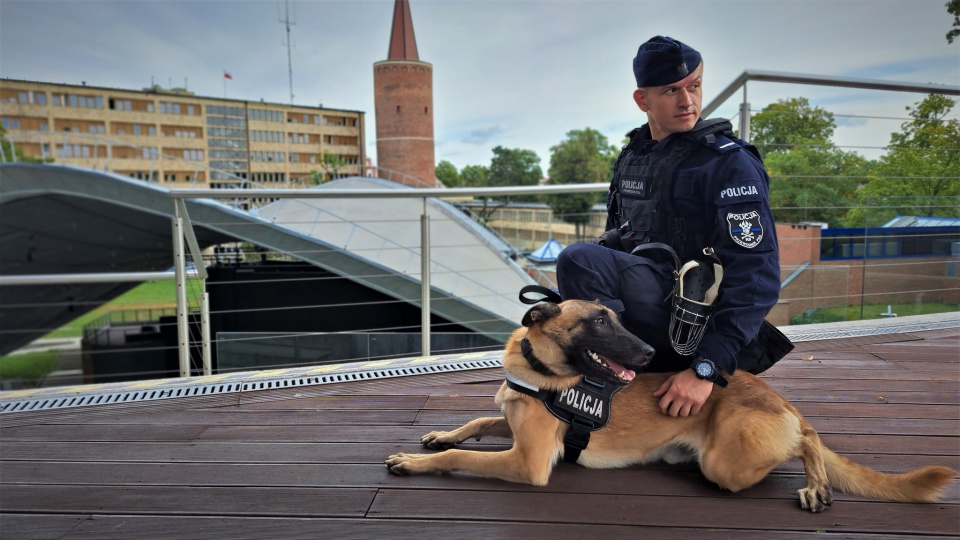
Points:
(690, 184)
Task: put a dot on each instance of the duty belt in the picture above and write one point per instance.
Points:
(585, 407)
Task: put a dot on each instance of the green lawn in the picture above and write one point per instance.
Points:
(870, 311)
(27, 366)
(153, 294)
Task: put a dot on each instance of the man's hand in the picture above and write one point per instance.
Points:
(683, 394)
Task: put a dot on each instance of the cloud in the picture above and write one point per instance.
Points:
(483, 135)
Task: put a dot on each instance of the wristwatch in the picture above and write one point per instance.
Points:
(706, 370)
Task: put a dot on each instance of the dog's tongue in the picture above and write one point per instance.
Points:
(625, 374)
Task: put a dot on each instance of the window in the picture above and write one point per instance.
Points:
(56, 100)
(152, 130)
(136, 129)
(24, 98)
(149, 107)
(190, 110)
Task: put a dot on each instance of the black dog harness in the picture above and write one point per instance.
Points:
(585, 407)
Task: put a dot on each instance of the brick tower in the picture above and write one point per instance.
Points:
(403, 99)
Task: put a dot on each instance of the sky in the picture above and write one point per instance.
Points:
(520, 74)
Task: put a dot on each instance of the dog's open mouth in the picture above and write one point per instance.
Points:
(622, 373)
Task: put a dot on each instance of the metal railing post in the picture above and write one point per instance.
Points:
(205, 332)
(180, 270)
(425, 280)
(745, 116)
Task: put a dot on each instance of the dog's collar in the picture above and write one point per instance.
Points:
(526, 388)
(532, 359)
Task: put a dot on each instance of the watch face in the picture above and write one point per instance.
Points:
(704, 369)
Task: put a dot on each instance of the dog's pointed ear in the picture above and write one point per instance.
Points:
(539, 313)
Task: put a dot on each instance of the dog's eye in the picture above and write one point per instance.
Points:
(600, 321)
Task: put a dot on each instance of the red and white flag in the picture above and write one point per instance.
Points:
(227, 76)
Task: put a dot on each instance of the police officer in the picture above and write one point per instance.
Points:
(690, 184)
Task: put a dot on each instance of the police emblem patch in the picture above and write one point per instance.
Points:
(745, 229)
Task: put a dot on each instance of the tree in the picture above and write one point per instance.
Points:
(477, 176)
(953, 8)
(814, 183)
(584, 157)
(810, 179)
(332, 163)
(920, 175)
(789, 123)
(447, 174)
(515, 167)
(474, 176)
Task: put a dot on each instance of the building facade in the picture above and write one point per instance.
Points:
(176, 138)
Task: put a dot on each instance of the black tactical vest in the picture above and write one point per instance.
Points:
(640, 204)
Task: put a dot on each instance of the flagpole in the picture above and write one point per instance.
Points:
(224, 84)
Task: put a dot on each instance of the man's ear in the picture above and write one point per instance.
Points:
(641, 99)
(540, 313)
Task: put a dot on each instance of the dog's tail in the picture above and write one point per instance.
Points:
(922, 485)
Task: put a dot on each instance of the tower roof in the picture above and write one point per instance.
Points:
(403, 44)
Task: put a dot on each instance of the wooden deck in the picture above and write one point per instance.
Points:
(307, 462)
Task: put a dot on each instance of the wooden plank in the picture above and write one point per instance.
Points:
(375, 453)
(844, 443)
(757, 514)
(237, 417)
(872, 396)
(203, 501)
(823, 424)
(462, 382)
(410, 436)
(856, 374)
(108, 527)
(89, 412)
(840, 343)
(340, 402)
(94, 432)
(38, 527)
(649, 480)
(879, 408)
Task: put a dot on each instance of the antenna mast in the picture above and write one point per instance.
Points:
(286, 20)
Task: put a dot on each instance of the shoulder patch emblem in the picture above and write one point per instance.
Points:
(745, 229)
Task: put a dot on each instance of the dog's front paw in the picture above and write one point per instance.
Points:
(402, 464)
(439, 440)
(815, 499)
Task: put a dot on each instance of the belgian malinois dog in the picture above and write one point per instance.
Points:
(742, 431)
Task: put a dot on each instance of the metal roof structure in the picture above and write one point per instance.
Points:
(66, 220)
(922, 221)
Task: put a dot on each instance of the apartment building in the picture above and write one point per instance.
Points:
(176, 138)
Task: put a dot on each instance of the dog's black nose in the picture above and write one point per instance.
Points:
(647, 351)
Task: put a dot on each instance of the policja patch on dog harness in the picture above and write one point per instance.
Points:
(585, 407)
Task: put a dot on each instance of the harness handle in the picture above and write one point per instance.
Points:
(549, 295)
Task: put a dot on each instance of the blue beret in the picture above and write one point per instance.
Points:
(662, 61)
